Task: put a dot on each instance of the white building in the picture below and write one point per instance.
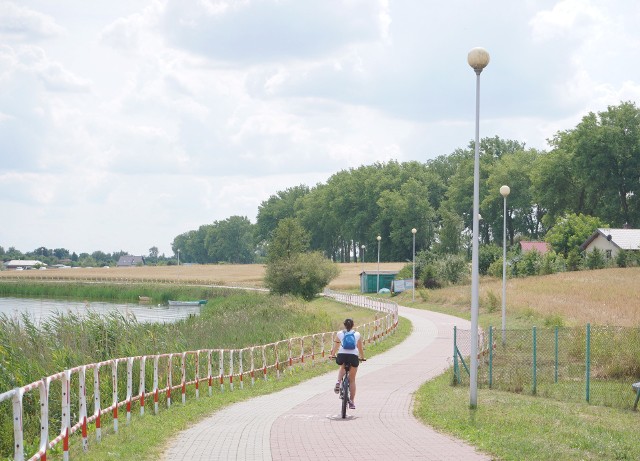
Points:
(611, 241)
(18, 264)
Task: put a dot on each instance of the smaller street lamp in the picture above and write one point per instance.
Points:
(504, 191)
(378, 284)
(178, 256)
(413, 294)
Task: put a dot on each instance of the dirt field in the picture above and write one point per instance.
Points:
(218, 274)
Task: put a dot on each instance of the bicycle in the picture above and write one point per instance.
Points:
(344, 389)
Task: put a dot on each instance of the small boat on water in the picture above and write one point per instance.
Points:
(188, 303)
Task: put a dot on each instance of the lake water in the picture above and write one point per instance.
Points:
(41, 309)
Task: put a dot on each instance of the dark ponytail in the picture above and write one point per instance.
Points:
(348, 324)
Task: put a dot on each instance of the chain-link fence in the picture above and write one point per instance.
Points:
(592, 364)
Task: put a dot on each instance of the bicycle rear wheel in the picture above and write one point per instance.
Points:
(345, 396)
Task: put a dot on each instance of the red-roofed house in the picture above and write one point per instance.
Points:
(540, 247)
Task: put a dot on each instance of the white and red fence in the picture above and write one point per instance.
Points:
(157, 378)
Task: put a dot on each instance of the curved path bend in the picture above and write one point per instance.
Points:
(302, 422)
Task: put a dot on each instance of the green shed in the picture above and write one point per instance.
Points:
(369, 280)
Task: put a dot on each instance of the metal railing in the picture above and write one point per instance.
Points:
(594, 364)
(168, 373)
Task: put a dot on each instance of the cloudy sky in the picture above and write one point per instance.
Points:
(125, 123)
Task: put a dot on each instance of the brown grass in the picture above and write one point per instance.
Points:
(218, 274)
(599, 297)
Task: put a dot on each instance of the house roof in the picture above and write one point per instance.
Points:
(625, 239)
(129, 260)
(540, 247)
(379, 272)
(24, 262)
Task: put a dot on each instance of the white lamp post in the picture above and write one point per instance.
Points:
(478, 58)
(378, 284)
(504, 191)
(413, 294)
(363, 284)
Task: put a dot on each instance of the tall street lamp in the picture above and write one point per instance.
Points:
(378, 285)
(362, 248)
(504, 191)
(478, 58)
(413, 294)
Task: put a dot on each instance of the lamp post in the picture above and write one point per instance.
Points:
(178, 256)
(478, 58)
(363, 277)
(504, 191)
(378, 284)
(413, 294)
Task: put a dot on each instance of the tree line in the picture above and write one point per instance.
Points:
(592, 170)
(66, 257)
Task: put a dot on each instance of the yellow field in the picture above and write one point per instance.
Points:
(218, 274)
(600, 297)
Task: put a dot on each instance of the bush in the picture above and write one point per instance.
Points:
(487, 255)
(429, 277)
(621, 259)
(303, 274)
(574, 260)
(529, 264)
(595, 259)
(452, 269)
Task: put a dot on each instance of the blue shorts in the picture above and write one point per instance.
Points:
(351, 359)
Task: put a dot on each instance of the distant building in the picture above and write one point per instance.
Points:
(540, 247)
(130, 261)
(369, 280)
(612, 241)
(24, 264)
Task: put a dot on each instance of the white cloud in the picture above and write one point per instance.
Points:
(123, 128)
(25, 24)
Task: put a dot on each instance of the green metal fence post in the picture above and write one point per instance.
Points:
(456, 377)
(490, 356)
(534, 390)
(588, 362)
(556, 364)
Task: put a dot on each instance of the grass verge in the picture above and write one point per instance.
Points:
(146, 436)
(516, 427)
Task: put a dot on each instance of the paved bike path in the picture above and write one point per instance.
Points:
(303, 422)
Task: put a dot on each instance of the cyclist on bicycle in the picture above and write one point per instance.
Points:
(348, 355)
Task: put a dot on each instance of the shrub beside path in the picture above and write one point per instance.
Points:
(303, 422)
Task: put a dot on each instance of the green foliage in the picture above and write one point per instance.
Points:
(487, 255)
(595, 259)
(572, 231)
(302, 274)
(622, 259)
(574, 260)
(492, 302)
(528, 264)
(289, 239)
(406, 272)
(452, 269)
(552, 263)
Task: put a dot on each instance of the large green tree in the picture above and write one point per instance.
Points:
(604, 152)
(571, 231)
(231, 240)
